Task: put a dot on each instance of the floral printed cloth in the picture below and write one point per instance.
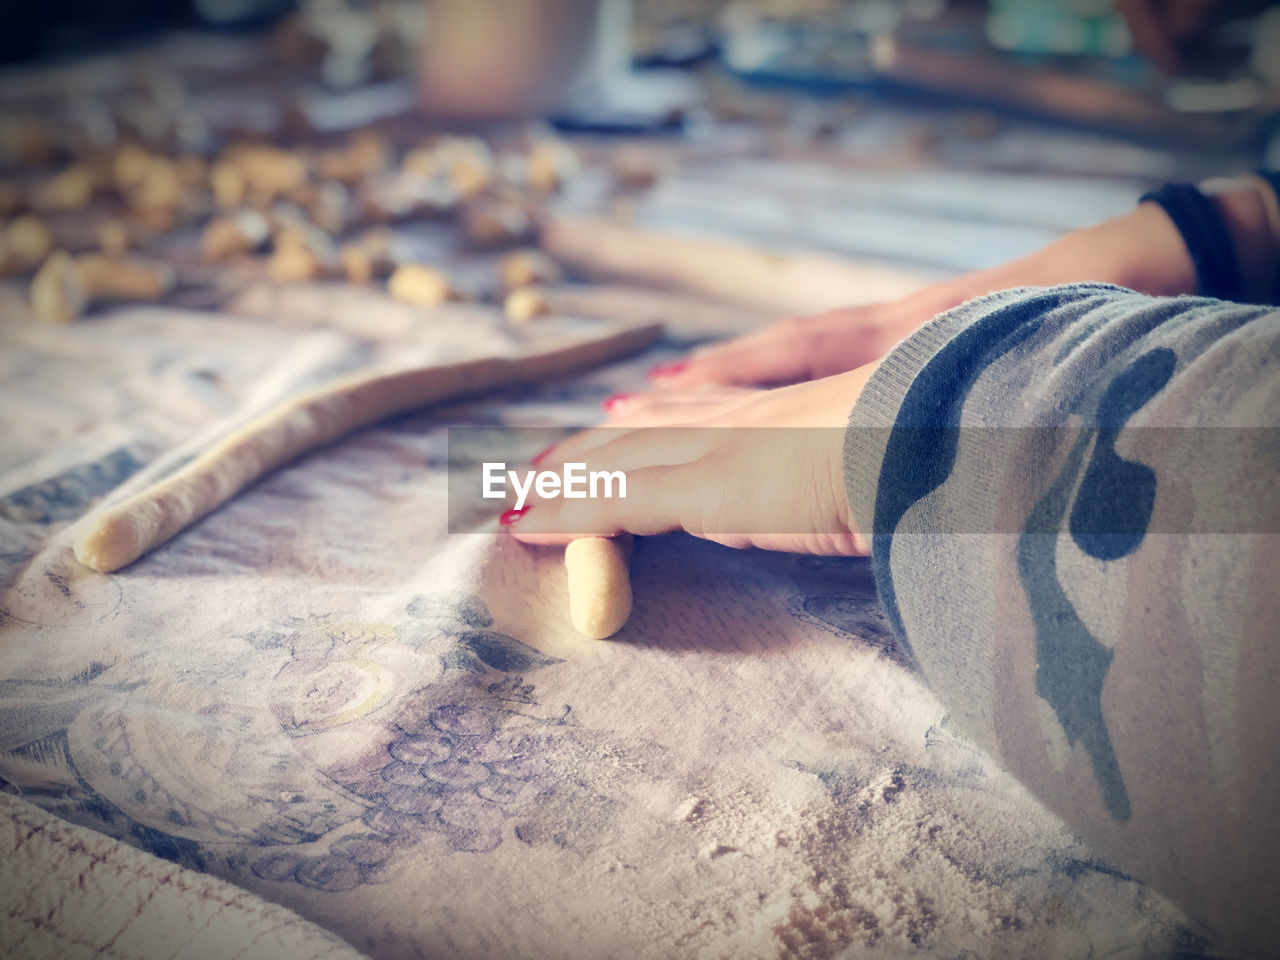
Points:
(320, 696)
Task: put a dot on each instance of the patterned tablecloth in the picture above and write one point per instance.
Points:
(321, 696)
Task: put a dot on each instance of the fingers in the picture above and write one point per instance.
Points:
(635, 411)
(656, 502)
(614, 448)
(792, 350)
(737, 363)
(671, 408)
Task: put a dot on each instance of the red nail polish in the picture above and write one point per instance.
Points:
(617, 400)
(542, 455)
(511, 516)
(664, 370)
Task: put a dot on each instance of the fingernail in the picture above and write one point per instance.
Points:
(542, 455)
(617, 400)
(664, 370)
(511, 516)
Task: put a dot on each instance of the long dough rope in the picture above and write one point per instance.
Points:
(599, 585)
(122, 533)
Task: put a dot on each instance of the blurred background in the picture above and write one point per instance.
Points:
(931, 135)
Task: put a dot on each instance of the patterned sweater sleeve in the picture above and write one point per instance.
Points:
(1073, 496)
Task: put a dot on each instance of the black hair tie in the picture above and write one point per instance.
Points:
(1206, 237)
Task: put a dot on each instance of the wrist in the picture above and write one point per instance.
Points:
(1255, 234)
(1141, 250)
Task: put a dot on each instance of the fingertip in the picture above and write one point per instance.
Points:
(666, 372)
(617, 403)
(693, 373)
(530, 539)
(510, 518)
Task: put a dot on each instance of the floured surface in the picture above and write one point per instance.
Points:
(72, 893)
(320, 696)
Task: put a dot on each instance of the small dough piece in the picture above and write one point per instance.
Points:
(130, 166)
(114, 238)
(57, 295)
(368, 257)
(524, 304)
(496, 223)
(301, 252)
(122, 532)
(29, 239)
(268, 171)
(420, 285)
(232, 236)
(294, 263)
(123, 278)
(636, 167)
(65, 286)
(228, 185)
(599, 585)
(468, 162)
(523, 268)
(551, 163)
(160, 191)
(72, 189)
(357, 263)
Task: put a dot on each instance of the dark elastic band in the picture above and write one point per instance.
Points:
(1272, 177)
(1206, 237)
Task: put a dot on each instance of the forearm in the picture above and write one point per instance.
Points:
(1142, 250)
(1119, 671)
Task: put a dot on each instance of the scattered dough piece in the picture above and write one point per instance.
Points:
(526, 267)
(468, 162)
(29, 239)
(228, 185)
(72, 189)
(524, 304)
(420, 285)
(637, 167)
(329, 206)
(65, 286)
(269, 171)
(551, 163)
(420, 162)
(367, 258)
(226, 237)
(366, 152)
(122, 278)
(160, 189)
(114, 238)
(130, 166)
(370, 151)
(121, 532)
(296, 260)
(302, 251)
(57, 295)
(357, 263)
(496, 223)
(599, 585)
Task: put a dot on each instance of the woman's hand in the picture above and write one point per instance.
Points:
(807, 348)
(743, 468)
(1141, 249)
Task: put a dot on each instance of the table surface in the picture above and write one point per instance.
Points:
(320, 694)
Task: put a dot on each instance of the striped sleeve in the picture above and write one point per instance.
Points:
(1073, 496)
